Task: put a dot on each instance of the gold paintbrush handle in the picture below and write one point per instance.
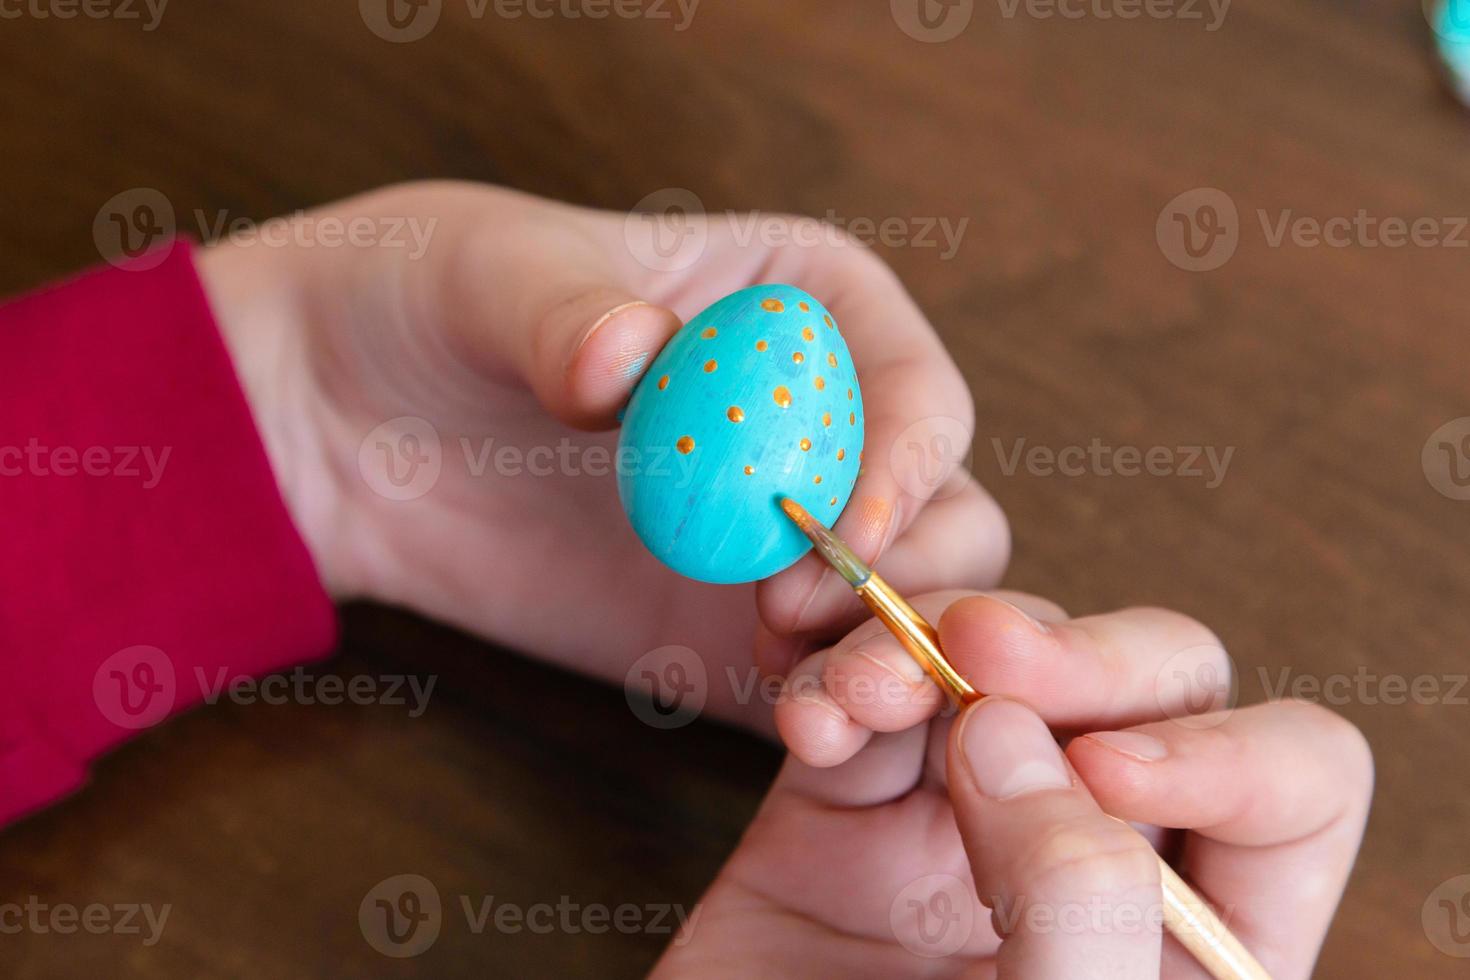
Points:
(919, 638)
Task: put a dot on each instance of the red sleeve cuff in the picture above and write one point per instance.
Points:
(147, 550)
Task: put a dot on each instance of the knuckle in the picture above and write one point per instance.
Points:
(1089, 856)
(1343, 741)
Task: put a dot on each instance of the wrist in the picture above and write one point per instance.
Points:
(254, 295)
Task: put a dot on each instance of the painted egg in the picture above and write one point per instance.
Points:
(755, 399)
(1451, 23)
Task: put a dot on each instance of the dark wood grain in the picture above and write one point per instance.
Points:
(1325, 549)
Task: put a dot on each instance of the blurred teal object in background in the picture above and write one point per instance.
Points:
(1451, 22)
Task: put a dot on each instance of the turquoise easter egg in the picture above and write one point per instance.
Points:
(1451, 23)
(755, 399)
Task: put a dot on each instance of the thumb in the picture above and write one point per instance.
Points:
(530, 290)
(1073, 892)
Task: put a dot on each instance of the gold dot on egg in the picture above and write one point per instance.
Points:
(798, 357)
(832, 502)
(817, 478)
(841, 455)
(663, 382)
(849, 394)
(773, 305)
(832, 359)
(761, 345)
(709, 366)
(685, 445)
(860, 455)
(782, 394)
(852, 418)
(826, 418)
(709, 332)
(735, 414)
(803, 307)
(750, 471)
(806, 334)
(820, 382)
(805, 444)
(828, 320)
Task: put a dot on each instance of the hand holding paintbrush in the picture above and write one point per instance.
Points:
(1189, 919)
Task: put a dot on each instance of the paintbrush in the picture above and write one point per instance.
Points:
(1187, 916)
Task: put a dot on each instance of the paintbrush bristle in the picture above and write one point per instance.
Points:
(834, 550)
(797, 513)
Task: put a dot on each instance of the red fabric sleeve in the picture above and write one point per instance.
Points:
(146, 546)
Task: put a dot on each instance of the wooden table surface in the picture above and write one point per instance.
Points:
(1326, 550)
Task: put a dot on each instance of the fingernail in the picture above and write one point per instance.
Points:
(591, 331)
(1036, 623)
(1009, 750)
(1135, 745)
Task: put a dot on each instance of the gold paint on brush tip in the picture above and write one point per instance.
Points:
(834, 550)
